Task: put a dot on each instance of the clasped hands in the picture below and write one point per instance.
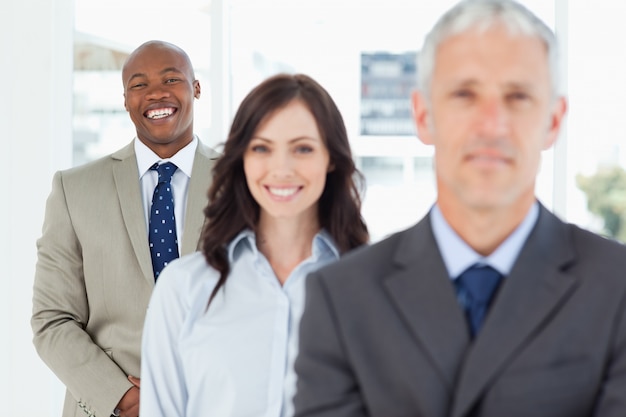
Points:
(129, 404)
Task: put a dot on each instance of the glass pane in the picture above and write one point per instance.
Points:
(105, 33)
(329, 40)
(336, 42)
(597, 143)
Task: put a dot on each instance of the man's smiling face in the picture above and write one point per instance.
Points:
(159, 89)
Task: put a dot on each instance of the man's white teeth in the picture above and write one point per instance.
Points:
(283, 192)
(159, 113)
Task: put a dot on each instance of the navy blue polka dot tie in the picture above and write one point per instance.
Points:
(162, 235)
(476, 287)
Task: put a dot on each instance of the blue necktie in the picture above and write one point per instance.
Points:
(476, 287)
(162, 235)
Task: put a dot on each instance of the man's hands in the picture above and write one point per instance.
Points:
(129, 404)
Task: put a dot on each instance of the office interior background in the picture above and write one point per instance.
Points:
(62, 105)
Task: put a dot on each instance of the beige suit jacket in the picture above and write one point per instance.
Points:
(94, 276)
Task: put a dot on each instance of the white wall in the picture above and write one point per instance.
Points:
(35, 115)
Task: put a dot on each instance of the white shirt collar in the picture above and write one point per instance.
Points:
(183, 159)
(458, 255)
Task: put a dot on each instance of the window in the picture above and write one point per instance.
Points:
(245, 41)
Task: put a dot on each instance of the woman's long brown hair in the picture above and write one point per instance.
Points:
(232, 208)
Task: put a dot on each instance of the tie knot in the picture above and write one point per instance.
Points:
(480, 282)
(165, 171)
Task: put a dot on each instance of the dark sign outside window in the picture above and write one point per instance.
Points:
(387, 81)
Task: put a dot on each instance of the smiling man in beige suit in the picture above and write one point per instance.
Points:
(94, 272)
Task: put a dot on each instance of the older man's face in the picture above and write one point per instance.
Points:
(489, 115)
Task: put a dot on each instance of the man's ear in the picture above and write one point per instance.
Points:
(422, 117)
(557, 117)
(196, 89)
(125, 106)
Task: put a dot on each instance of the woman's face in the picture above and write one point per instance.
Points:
(286, 163)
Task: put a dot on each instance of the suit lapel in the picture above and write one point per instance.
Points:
(129, 194)
(422, 292)
(197, 197)
(529, 297)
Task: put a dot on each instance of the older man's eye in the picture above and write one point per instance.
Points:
(518, 96)
(463, 93)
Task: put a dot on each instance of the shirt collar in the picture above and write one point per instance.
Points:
(183, 159)
(323, 245)
(458, 255)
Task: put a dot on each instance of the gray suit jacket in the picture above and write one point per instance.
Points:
(383, 335)
(94, 276)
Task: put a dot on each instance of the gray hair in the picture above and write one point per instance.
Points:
(481, 15)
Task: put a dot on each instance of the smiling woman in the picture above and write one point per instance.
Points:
(283, 203)
(286, 164)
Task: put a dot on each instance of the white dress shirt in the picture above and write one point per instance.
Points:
(236, 358)
(458, 255)
(183, 159)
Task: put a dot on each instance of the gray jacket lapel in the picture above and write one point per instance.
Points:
(197, 200)
(129, 194)
(422, 292)
(530, 296)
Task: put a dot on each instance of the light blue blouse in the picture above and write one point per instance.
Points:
(236, 358)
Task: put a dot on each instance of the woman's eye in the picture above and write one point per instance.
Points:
(304, 149)
(259, 148)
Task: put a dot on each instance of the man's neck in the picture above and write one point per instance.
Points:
(484, 229)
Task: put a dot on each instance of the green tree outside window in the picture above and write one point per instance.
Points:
(606, 198)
